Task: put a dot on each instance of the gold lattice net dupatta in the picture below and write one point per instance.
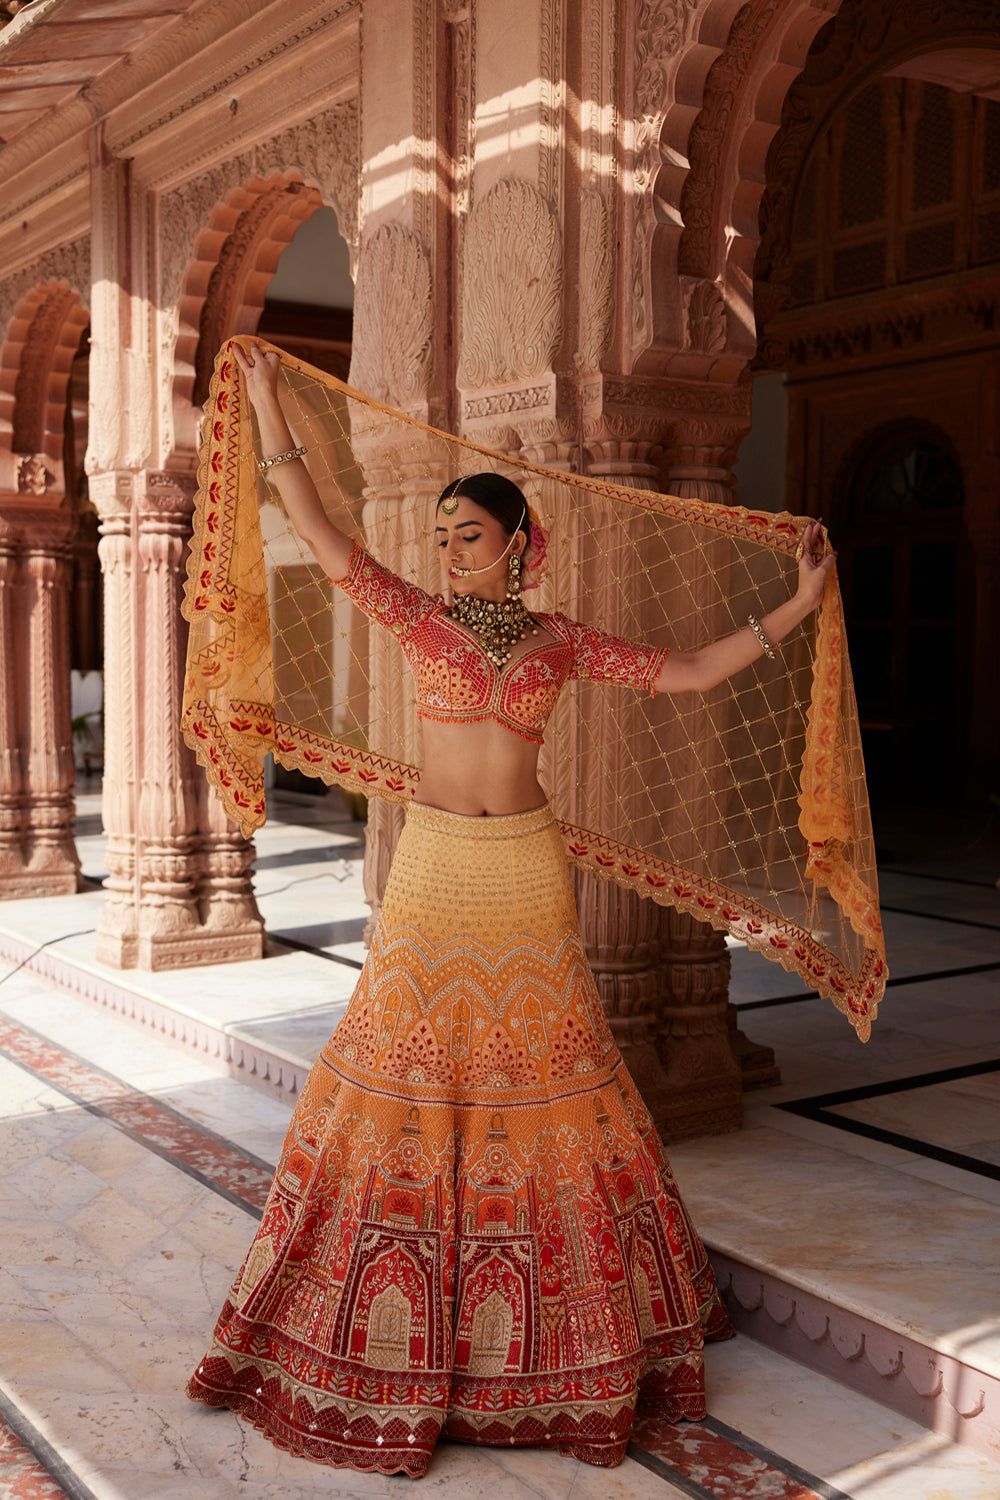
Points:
(745, 806)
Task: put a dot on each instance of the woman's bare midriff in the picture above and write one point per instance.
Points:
(479, 769)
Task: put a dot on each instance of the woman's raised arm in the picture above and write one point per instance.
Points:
(330, 546)
(689, 671)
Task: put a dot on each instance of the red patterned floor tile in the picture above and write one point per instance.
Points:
(138, 1113)
(723, 1469)
(21, 1475)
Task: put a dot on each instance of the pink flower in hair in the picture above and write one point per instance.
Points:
(534, 555)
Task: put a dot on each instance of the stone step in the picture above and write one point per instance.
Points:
(837, 1254)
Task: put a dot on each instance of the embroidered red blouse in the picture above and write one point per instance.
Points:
(455, 679)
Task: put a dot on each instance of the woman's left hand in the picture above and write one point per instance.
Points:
(813, 568)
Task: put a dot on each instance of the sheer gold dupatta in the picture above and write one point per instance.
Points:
(746, 806)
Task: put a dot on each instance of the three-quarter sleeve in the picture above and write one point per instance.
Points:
(598, 657)
(384, 596)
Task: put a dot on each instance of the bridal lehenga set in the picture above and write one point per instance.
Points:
(473, 1231)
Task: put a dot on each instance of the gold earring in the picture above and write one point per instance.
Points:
(513, 576)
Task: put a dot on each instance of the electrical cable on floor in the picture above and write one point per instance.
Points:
(62, 938)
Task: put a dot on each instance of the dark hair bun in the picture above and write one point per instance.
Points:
(497, 495)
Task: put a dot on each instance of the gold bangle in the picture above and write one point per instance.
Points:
(758, 631)
(264, 464)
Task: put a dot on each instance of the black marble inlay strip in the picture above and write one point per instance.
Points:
(332, 958)
(775, 1460)
(890, 984)
(903, 1142)
(819, 1109)
(43, 1452)
(663, 1470)
(897, 1085)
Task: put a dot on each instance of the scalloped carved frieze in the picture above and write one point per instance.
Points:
(724, 86)
(503, 403)
(512, 281)
(324, 150)
(953, 315)
(393, 318)
(669, 396)
(69, 262)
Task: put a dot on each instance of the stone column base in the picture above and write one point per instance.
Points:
(23, 885)
(119, 950)
(191, 949)
(709, 1104)
(757, 1062)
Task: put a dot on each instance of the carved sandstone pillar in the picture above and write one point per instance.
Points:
(117, 935)
(51, 860)
(700, 1039)
(232, 926)
(168, 909)
(662, 983)
(11, 765)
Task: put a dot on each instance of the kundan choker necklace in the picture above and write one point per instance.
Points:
(498, 625)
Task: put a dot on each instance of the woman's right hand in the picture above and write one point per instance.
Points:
(260, 368)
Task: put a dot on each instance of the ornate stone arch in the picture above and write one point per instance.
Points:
(226, 280)
(46, 331)
(235, 257)
(221, 236)
(676, 44)
(745, 91)
(864, 40)
(43, 315)
(753, 122)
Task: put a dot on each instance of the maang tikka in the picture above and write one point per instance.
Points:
(449, 500)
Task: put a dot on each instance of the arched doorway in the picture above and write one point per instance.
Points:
(879, 349)
(309, 311)
(905, 576)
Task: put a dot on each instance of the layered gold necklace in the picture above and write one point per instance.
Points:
(498, 625)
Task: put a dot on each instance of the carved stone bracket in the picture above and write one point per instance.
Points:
(31, 472)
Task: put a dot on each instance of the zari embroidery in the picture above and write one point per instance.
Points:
(473, 1230)
(455, 680)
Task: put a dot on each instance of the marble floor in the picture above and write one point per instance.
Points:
(133, 1173)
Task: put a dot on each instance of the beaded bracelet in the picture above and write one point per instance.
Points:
(758, 631)
(264, 464)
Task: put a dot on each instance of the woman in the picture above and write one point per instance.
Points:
(473, 1230)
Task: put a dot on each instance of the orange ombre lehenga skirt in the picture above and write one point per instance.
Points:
(473, 1231)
